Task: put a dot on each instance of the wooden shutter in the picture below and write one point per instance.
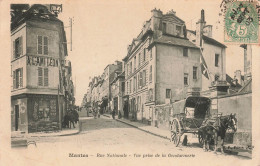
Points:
(21, 78)
(40, 82)
(39, 42)
(14, 49)
(14, 85)
(20, 46)
(45, 47)
(46, 75)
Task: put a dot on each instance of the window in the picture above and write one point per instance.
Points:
(151, 55)
(185, 51)
(123, 87)
(127, 88)
(144, 54)
(168, 93)
(130, 67)
(17, 46)
(42, 45)
(134, 63)
(144, 78)
(130, 86)
(127, 69)
(216, 60)
(150, 94)
(43, 76)
(151, 74)
(141, 79)
(18, 78)
(164, 27)
(195, 72)
(139, 59)
(186, 78)
(178, 30)
(216, 77)
(134, 84)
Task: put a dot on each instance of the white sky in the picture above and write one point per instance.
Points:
(103, 29)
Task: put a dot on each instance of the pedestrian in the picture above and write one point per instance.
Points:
(113, 113)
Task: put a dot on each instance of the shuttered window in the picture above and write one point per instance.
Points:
(45, 42)
(40, 76)
(18, 78)
(43, 76)
(46, 77)
(42, 45)
(144, 78)
(17, 47)
(39, 44)
(151, 74)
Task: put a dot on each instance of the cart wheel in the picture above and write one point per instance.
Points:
(200, 139)
(175, 132)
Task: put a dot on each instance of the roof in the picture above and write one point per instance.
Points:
(247, 87)
(209, 40)
(171, 40)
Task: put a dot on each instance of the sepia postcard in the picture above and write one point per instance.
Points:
(139, 82)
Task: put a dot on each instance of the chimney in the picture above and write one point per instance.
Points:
(199, 29)
(207, 31)
(238, 77)
(156, 19)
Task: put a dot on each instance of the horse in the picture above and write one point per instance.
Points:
(212, 131)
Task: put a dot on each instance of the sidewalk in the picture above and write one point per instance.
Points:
(144, 127)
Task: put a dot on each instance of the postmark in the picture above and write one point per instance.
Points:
(241, 23)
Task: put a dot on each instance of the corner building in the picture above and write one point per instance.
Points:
(160, 67)
(37, 63)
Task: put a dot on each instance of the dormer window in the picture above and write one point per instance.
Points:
(178, 30)
(164, 27)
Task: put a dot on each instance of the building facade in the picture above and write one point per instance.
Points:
(37, 61)
(161, 65)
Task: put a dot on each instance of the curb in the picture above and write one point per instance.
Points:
(158, 135)
(68, 134)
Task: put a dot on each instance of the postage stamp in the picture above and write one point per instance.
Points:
(241, 23)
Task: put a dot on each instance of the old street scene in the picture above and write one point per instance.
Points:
(171, 88)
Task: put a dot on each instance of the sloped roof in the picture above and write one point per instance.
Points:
(209, 40)
(171, 40)
(247, 87)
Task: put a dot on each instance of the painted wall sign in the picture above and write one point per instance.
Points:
(44, 61)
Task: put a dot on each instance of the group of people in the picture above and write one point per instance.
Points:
(70, 118)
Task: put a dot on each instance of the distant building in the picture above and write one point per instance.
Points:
(39, 51)
(160, 67)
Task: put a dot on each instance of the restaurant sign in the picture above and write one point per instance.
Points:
(44, 61)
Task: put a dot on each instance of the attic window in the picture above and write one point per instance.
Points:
(178, 30)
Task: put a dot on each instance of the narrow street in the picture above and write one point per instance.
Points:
(103, 136)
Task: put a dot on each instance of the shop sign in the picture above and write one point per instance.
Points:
(44, 61)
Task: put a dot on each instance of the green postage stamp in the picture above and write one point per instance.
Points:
(241, 23)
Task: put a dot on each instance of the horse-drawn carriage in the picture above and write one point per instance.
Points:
(195, 117)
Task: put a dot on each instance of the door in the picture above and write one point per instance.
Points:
(16, 117)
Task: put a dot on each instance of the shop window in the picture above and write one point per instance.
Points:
(18, 78)
(42, 45)
(44, 110)
(43, 76)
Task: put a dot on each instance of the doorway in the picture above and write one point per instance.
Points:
(16, 117)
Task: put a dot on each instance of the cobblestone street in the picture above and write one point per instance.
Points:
(103, 136)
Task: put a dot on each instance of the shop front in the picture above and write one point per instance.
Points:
(43, 113)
